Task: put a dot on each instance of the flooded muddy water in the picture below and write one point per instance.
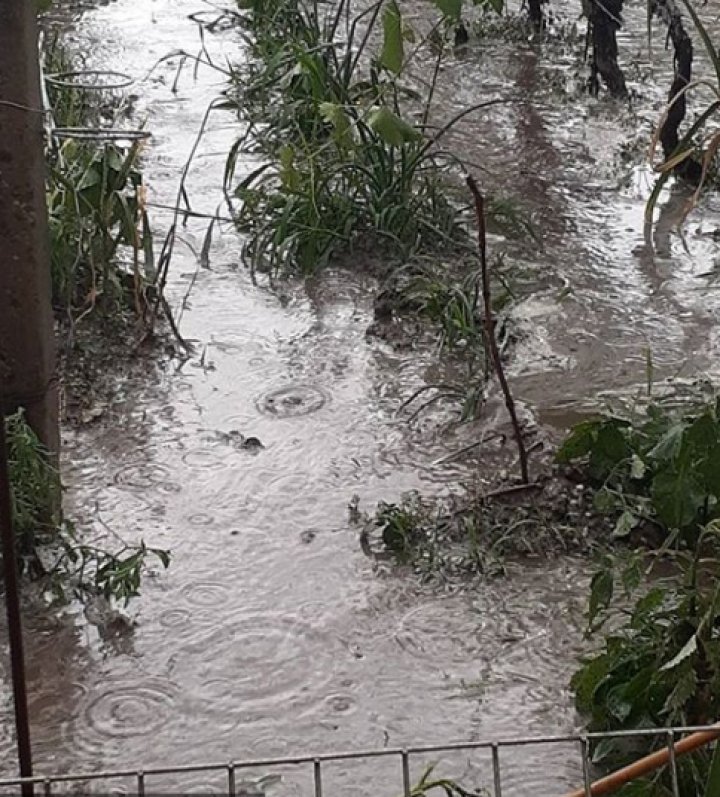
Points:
(271, 633)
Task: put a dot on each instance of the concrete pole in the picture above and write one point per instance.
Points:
(27, 346)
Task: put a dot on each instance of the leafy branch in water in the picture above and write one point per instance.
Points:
(51, 550)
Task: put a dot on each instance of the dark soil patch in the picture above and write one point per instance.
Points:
(96, 354)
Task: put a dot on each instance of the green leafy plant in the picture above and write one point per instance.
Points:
(100, 235)
(344, 167)
(661, 466)
(96, 210)
(51, 550)
(659, 662)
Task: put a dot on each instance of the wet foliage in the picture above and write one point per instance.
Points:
(51, 552)
(658, 663)
(659, 467)
(100, 238)
(345, 170)
(655, 610)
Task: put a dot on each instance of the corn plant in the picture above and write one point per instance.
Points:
(701, 141)
(96, 211)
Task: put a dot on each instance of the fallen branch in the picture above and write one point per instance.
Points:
(489, 324)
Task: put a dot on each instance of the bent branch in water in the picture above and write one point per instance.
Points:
(668, 13)
(605, 20)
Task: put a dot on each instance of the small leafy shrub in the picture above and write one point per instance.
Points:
(51, 551)
(659, 662)
(96, 211)
(100, 236)
(661, 466)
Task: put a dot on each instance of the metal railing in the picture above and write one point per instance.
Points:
(143, 780)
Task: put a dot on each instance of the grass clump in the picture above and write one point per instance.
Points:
(345, 168)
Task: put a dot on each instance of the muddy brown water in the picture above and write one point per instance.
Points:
(271, 634)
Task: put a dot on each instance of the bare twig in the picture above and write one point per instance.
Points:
(489, 323)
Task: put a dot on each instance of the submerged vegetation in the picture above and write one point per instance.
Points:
(350, 165)
(103, 278)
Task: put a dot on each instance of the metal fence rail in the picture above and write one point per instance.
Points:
(142, 778)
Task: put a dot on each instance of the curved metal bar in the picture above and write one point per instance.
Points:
(65, 80)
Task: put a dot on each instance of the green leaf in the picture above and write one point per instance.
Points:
(579, 442)
(391, 128)
(710, 471)
(451, 9)
(677, 497)
(587, 679)
(43, 5)
(601, 592)
(335, 115)
(669, 446)
(617, 704)
(393, 53)
(684, 690)
(625, 524)
(610, 450)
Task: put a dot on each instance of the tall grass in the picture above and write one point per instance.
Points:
(327, 109)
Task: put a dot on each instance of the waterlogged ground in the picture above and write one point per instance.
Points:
(271, 634)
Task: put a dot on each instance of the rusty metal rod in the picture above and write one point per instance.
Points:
(12, 604)
(649, 763)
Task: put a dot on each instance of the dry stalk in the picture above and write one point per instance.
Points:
(489, 324)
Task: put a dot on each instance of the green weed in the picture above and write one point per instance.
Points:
(49, 547)
(344, 169)
(96, 215)
(100, 236)
(659, 663)
(661, 466)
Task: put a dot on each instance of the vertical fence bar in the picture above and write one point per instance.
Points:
(14, 618)
(586, 766)
(47, 787)
(317, 777)
(673, 763)
(141, 783)
(496, 769)
(407, 788)
(231, 779)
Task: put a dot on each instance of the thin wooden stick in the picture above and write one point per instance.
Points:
(644, 766)
(489, 323)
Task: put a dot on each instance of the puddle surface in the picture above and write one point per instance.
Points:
(270, 634)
